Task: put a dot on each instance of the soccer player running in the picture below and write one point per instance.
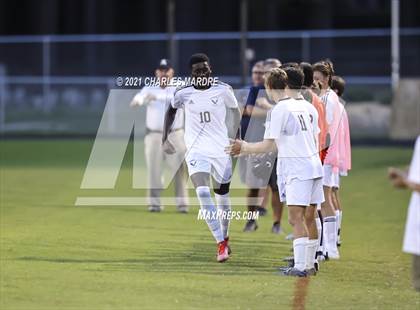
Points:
(292, 129)
(206, 135)
(323, 73)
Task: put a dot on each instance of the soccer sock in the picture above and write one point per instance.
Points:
(207, 205)
(223, 206)
(299, 252)
(311, 247)
(330, 234)
(319, 228)
(339, 216)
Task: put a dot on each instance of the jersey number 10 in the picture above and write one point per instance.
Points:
(205, 117)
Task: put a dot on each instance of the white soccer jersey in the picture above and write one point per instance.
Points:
(206, 132)
(293, 124)
(331, 102)
(156, 109)
(412, 228)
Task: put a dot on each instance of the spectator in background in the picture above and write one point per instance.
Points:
(411, 181)
(157, 99)
(253, 128)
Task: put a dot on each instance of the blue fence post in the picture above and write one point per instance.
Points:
(46, 72)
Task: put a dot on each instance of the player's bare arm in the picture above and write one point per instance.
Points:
(233, 130)
(399, 179)
(169, 120)
(240, 147)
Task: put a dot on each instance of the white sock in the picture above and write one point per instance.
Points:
(319, 228)
(207, 205)
(299, 252)
(339, 216)
(311, 247)
(223, 206)
(330, 235)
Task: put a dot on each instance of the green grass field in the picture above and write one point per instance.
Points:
(58, 256)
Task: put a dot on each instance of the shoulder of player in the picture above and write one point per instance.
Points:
(330, 96)
(182, 89)
(223, 86)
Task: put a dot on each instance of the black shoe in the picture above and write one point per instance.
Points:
(321, 256)
(262, 211)
(155, 208)
(293, 272)
(276, 229)
(311, 272)
(250, 226)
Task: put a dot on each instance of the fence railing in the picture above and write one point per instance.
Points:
(43, 67)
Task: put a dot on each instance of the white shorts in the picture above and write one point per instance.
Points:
(302, 193)
(331, 178)
(220, 168)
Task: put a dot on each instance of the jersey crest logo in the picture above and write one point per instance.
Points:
(214, 100)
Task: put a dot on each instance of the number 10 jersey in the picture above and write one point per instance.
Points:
(206, 131)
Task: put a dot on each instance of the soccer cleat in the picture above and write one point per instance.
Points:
(182, 209)
(222, 252)
(320, 256)
(155, 208)
(262, 211)
(333, 255)
(338, 239)
(293, 272)
(228, 246)
(316, 265)
(311, 272)
(276, 229)
(250, 226)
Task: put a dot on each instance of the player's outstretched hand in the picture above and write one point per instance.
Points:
(234, 148)
(397, 177)
(168, 148)
(134, 103)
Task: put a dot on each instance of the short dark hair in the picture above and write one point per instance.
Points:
(197, 58)
(339, 84)
(276, 78)
(295, 77)
(308, 72)
(290, 64)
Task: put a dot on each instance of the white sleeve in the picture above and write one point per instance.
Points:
(230, 99)
(330, 105)
(139, 97)
(414, 171)
(275, 123)
(177, 101)
(314, 119)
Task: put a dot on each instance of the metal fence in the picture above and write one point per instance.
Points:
(60, 83)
